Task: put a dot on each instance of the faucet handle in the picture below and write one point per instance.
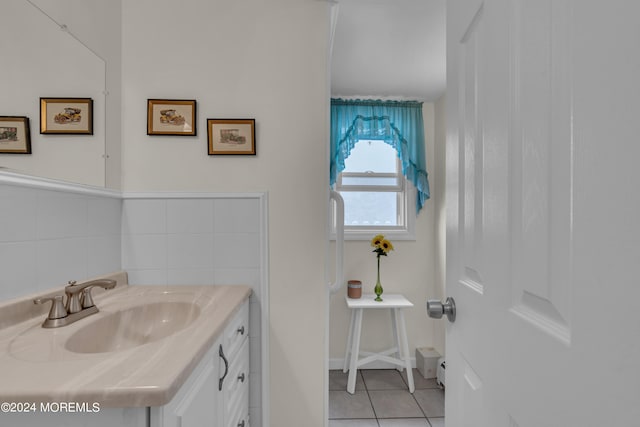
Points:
(73, 300)
(86, 300)
(57, 307)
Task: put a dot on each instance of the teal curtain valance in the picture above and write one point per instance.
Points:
(398, 123)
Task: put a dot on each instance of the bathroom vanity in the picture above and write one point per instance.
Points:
(151, 356)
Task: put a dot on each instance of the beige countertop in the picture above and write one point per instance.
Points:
(36, 367)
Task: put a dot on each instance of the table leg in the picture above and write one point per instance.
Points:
(396, 337)
(405, 349)
(347, 355)
(355, 351)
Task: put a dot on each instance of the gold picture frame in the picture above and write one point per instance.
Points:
(15, 136)
(66, 116)
(231, 136)
(171, 117)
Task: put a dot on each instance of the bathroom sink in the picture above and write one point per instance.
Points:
(136, 351)
(133, 327)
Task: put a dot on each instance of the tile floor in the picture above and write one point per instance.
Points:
(382, 399)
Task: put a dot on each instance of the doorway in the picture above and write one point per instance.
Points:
(354, 75)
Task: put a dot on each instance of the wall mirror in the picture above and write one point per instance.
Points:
(42, 59)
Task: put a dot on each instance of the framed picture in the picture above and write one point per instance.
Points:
(66, 116)
(231, 136)
(15, 137)
(171, 117)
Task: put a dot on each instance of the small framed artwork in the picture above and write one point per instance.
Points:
(15, 137)
(231, 136)
(171, 117)
(66, 116)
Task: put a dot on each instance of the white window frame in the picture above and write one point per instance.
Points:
(406, 203)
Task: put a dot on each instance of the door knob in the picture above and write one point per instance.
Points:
(436, 309)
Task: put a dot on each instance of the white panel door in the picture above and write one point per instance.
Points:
(543, 224)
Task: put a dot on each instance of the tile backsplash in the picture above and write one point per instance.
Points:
(48, 237)
(192, 241)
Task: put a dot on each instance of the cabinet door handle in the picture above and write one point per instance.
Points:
(241, 330)
(241, 424)
(226, 368)
(241, 377)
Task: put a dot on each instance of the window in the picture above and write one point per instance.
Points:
(376, 194)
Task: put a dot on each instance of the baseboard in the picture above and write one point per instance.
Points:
(338, 363)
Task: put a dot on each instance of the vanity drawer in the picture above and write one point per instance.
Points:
(236, 385)
(236, 331)
(240, 418)
(239, 412)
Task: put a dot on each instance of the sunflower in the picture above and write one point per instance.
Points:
(377, 240)
(386, 245)
(381, 245)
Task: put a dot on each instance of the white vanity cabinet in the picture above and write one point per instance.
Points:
(216, 394)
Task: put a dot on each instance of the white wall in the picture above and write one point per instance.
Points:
(249, 59)
(409, 270)
(51, 236)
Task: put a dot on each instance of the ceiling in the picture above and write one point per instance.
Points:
(389, 49)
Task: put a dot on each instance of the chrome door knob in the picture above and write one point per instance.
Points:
(436, 309)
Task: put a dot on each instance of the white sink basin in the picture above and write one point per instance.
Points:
(133, 327)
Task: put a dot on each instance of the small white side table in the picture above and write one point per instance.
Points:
(401, 349)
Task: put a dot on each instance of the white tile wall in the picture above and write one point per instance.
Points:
(192, 241)
(236, 216)
(18, 214)
(249, 276)
(144, 252)
(19, 275)
(48, 237)
(103, 254)
(190, 216)
(144, 216)
(148, 277)
(203, 240)
(203, 276)
(104, 216)
(61, 215)
(190, 251)
(60, 260)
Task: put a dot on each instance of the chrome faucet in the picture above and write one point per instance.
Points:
(79, 303)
